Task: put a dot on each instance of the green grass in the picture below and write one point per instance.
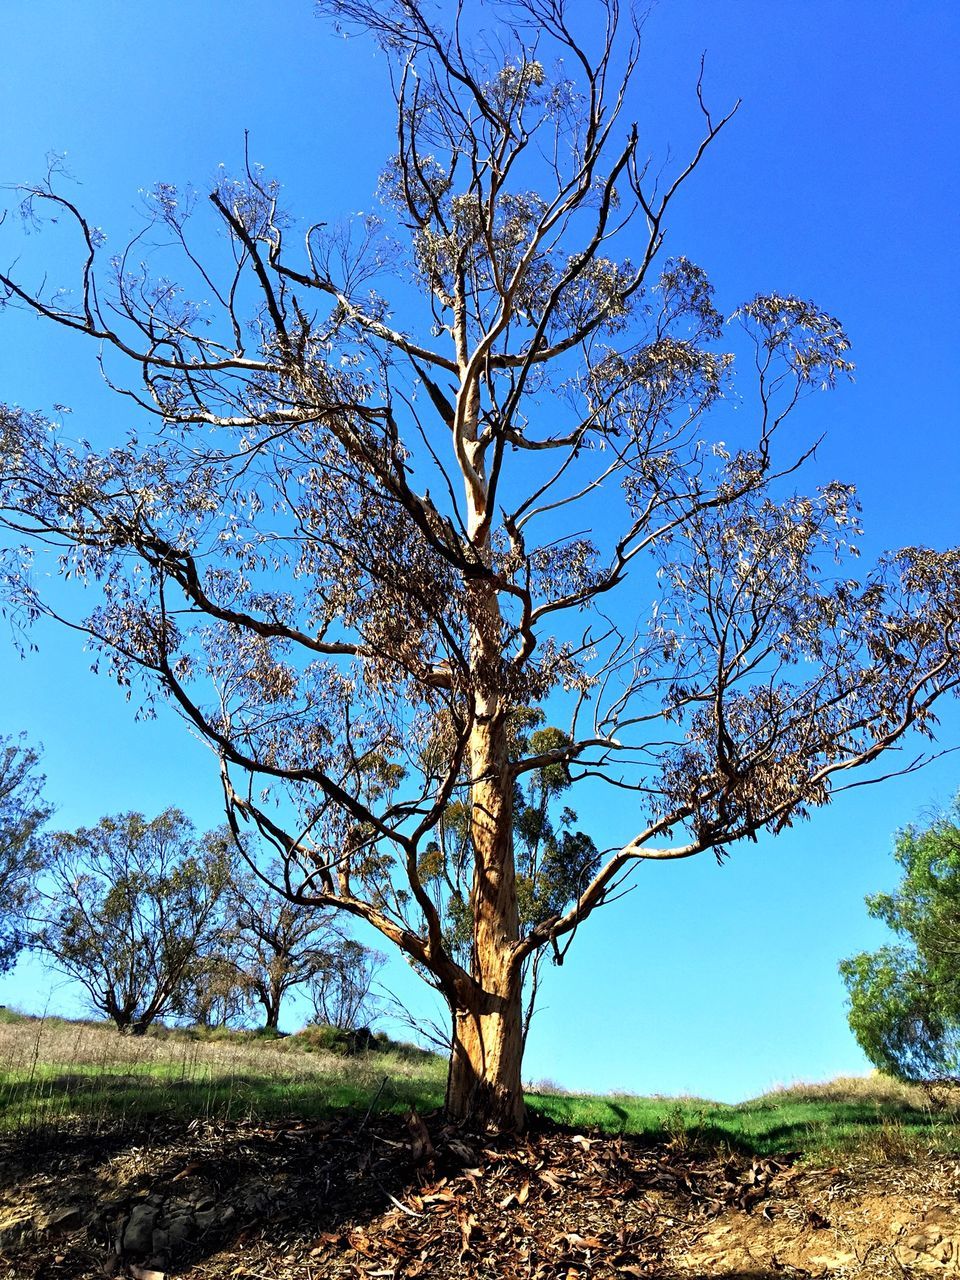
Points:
(55, 1072)
(873, 1116)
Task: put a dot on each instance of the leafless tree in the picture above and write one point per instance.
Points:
(367, 537)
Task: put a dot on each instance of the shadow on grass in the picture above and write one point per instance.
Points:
(298, 1158)
(295, 1180)
(132, 1098)
(764, 1129)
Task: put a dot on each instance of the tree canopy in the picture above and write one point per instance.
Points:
(905, 998)
(412, 477)
(22, 815)
(131, 910)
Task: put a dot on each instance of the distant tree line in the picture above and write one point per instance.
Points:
(156, 921)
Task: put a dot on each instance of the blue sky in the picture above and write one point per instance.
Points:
(838, 180)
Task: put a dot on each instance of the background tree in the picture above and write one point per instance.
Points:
(905, 999)
(275, 945)
(131, 907)
(211, 993)
(341, 988)
(22, 814)
(367, 533)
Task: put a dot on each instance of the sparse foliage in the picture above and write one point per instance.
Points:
(905, 999)
(131, 911)
(341, 987)
(370, 534)
(22, 814)
(212, 994)
(275, 945)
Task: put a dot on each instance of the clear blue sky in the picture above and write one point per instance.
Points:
(838, 181)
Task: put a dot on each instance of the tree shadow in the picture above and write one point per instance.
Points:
(173, 1196)
(172, 1193)
(168, 1195)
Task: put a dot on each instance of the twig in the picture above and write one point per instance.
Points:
(411, 1213)
(376, 1099)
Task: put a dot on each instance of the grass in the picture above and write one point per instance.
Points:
(873, 1116)
(55, 1072)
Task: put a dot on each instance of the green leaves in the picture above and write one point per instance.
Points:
(132, 906)
(22, 814)
(905, 999)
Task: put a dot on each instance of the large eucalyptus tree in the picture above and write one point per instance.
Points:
(417, 477)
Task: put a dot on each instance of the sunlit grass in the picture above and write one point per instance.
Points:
(872, 1115)
(55, 1073)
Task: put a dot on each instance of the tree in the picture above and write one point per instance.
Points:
(275, 945)
(132, 909)
(553, 861)
(22, 814)
(366, 535)
(341, 988)
(905, 999)
(211, 993)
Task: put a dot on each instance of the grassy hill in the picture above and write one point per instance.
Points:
(59, 1073)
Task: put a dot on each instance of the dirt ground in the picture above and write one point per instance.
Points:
(396, 1198)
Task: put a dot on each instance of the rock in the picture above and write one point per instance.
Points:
(66, 1218)
(832, 1260)
(13, 1230)
(160, 1242)
(156, 1266)
(138, 1233)
(180, 1230)
(930, 1244)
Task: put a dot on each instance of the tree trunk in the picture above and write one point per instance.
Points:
(484, 1086)
(271, 1008)
(483, 1083)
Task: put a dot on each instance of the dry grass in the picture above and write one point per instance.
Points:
(90, 1044)
(874, 1088)
(52, 1070)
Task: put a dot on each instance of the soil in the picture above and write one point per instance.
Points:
(394, 1198)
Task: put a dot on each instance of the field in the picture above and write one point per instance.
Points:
(174, 1154)
(55, 1073)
